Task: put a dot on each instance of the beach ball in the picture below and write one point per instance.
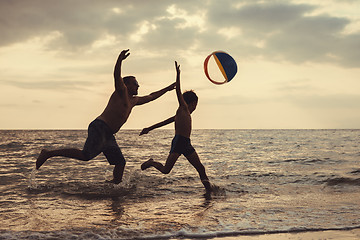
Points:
(226, 64)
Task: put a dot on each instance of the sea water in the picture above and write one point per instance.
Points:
(267, 181)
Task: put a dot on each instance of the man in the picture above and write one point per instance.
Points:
(100, 132)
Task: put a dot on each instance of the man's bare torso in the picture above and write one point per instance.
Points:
(118, 110)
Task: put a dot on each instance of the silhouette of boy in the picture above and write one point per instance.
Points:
(181, 143)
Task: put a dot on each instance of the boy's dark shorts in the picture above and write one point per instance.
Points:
(181, 145)
(101, 140)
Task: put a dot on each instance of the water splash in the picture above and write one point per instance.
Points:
(130, 179)
(108, 176)
(32, 184)
(218, 191)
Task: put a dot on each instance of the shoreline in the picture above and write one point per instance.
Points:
(346, 234)
(350, 233)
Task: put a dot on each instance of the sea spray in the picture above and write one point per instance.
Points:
(108, 176)
(218, 191)
(32, 184)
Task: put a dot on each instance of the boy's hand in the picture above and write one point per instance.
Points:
(144, 131)
(177, 68)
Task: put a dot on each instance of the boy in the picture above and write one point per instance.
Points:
(181, 143)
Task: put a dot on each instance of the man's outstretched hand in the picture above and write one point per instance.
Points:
(171, 87)
(124, 54)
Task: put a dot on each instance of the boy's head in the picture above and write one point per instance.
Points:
(191, 100)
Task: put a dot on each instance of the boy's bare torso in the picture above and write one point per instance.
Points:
(183, 122)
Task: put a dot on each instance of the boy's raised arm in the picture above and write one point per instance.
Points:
(178, 88)
(119, 82)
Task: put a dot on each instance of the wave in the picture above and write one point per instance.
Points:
(133, 234)
(310, 161)
(205, 235)
(343, 181)
(357, 171)
(11, 146)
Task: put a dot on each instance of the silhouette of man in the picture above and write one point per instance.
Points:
(101, 131)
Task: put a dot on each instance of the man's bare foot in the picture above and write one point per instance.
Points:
(44, 155)
(147, 164)
(114, 181)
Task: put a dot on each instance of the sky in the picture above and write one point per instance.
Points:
(298, 61)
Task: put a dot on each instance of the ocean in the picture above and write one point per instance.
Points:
(267, 181)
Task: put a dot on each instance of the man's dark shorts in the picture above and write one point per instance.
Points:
(181, 145)
(101, 140)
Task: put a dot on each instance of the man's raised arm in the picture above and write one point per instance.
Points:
(119, 82)
(154, 95)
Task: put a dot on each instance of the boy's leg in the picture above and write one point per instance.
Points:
(165, 169)
(193, 158)
(68, 152)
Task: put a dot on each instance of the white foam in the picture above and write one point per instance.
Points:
(32, 184)
(135, 233)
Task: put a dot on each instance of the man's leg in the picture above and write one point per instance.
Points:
(92, 148)
(68, 152)
(115, 157)
(118, 173)
(193, 158)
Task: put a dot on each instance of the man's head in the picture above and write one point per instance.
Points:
(191, 99)
(131, 84)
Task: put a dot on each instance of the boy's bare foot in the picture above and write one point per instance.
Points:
(208, 187)
(44, 155)
(147, 164)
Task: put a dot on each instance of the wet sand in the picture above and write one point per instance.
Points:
(353, 234)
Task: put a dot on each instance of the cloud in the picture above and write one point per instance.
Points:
(48, 85)
(313, 39)
(259, 19)
(347, 50)
(276, 30)
(80, 22)
(167, 37)
(331, 101)
(298, 86)
(290, 33)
